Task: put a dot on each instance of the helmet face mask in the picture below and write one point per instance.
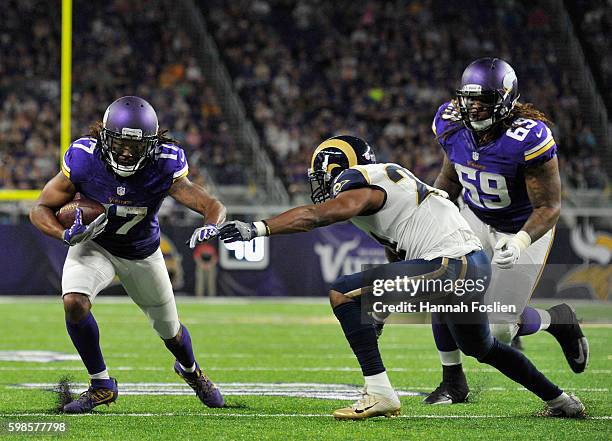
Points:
(320, 186)
(487, 94)
(477, 110)
(126, 155)
(128, 135)
(320, 179)
(331, 158)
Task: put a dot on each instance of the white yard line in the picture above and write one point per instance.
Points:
(59, 369)
(300, 390)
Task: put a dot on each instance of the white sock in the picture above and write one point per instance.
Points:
(379, 384)
(557, 402)
(544, 317)
(450, 358)
(189, 370)
(100, 375)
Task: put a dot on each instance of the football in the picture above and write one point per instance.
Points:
(91, 210)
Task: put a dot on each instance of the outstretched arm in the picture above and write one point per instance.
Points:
(58, 192)
(199, 200)
(346, 205)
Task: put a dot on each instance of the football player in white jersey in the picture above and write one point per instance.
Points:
(419, 224)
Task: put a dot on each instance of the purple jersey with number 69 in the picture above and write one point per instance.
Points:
(492, 175)
(131, 202)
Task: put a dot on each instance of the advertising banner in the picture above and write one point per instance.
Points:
(579, 263)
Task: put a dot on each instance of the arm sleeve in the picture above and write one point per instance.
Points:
(539, 145)
(181, 168)
(173, 161)
(444, 117)
(77, 160)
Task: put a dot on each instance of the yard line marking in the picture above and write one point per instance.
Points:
(276, 369)
(326, 391)
(267, 415)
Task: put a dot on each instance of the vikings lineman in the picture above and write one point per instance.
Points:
(419, 224)
(501, 156)
(129, 166)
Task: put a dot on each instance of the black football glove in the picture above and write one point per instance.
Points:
(237, 231)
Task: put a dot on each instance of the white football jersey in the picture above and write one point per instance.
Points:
(416, 220)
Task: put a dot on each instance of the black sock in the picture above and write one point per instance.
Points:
(514, 365)
(454, 374)
(361, 337)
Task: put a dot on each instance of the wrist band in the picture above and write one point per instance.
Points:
(262, 228)
(523, 239)
(267, 228)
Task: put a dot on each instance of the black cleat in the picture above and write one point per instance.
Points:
(448, 393)
(565, 328)
(99, 392)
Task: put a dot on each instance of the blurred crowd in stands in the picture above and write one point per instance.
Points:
(310, 69)
(306, 70)
(593, 23)
(119, 48)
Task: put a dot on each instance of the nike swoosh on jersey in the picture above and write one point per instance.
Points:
(539, 134)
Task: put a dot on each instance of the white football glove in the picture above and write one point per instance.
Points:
(203, 234)
(79, 233)
(508, 249)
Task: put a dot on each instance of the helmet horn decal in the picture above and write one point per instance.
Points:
(341, 145)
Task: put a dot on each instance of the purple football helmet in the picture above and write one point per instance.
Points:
(129, 134)
(487, 94)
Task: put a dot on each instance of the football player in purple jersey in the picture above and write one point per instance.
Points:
(130, 166)
(500, 155)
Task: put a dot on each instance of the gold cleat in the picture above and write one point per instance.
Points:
(369, 406)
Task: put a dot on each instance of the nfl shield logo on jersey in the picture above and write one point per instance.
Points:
(475, 156)
(120, 191)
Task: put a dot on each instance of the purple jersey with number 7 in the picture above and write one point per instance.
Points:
(131, 202)
(492, 175)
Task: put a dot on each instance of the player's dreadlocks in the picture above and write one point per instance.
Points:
(520, 110)
(162, 135)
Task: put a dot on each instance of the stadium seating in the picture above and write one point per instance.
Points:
(304, 73)
(110, 37)
(593, 21)
(380, 70)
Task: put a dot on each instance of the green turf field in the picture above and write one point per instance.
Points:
(270, 357)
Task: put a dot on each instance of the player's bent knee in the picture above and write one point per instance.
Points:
(76, 306)
(337, 298)
(167, 330)
(477, 350)
(176, 339)
(504, 332)
(164, 319)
